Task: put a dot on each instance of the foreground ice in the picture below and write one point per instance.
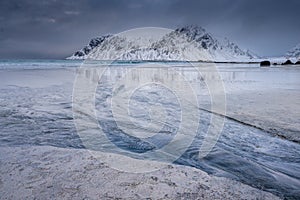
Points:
(36, 110)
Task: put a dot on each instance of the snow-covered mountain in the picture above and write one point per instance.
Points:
(190, 43)
(294, 52)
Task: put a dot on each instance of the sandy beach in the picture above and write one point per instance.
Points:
(42, 156)
(56, 173)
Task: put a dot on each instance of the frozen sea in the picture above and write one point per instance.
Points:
(259, 144)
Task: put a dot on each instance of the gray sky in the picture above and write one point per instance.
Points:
(56, 28)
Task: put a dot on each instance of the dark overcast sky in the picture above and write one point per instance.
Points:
(56, 28)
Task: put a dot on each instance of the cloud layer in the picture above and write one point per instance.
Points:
(56, 28)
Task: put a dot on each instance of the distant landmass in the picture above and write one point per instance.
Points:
(294, 52)
(292, 57)
(190, 43)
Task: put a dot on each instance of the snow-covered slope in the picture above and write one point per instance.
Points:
(188, 43)
(88, 48)
(294, 52)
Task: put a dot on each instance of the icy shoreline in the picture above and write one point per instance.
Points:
(45, 172)
(36, 110)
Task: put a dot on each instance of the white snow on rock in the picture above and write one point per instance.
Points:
(294, 52)
(189, 43)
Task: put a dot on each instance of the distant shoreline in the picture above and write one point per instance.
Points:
(272, 61)
(174, 61)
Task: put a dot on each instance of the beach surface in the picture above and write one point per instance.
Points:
(44, 156)
(55, 173)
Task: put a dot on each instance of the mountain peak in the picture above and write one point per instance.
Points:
(190, 42)
(191, 29)
(294, 52)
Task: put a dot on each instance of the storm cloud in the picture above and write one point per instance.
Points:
(56, 28)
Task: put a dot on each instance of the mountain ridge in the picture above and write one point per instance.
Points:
(294, 52)
(188, 43)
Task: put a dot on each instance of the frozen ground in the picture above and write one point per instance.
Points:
(56, 173)
(268, 98)
(36, 110)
